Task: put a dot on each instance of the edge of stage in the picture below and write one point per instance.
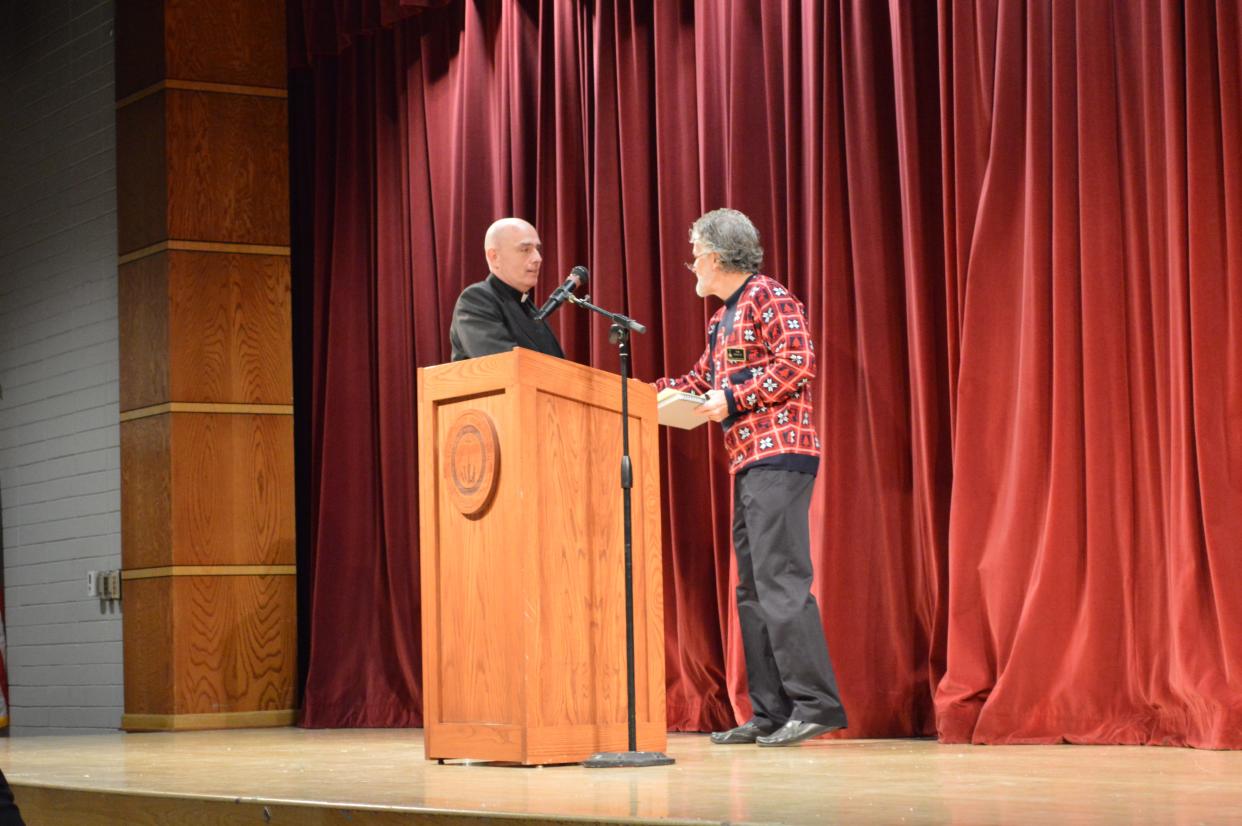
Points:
(379, 776)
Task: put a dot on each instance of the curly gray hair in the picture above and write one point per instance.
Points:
(730, 234)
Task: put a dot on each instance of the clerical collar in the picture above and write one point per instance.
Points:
(505, 290)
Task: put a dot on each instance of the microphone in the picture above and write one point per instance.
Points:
(577, 277)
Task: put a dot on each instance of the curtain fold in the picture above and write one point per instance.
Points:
(1016, 229)
(1093, 560)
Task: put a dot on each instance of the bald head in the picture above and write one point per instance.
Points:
(514, 253)
(501, 229)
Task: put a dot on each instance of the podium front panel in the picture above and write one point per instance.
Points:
(578, 642)
(476, 569)
(523, 601)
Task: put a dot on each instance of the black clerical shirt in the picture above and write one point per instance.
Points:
(491, 317)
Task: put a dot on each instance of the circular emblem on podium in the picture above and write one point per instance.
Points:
(471, 462)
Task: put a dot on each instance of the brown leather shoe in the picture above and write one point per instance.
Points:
(747, 732)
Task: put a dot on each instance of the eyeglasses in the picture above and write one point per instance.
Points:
(690, 265)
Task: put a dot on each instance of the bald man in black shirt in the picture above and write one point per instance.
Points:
(497, 314)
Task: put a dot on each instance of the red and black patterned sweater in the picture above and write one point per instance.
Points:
(760, 353)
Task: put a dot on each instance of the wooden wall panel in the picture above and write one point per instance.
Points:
(227, 41)
(232, 482)
(228, 167)
(234, 643)
(142, 308)
(231, 328)
(147, 626)
(210, 644)
(207, 489)
(239, 42)
(146, 493)
(141, 174)
(139, 28)
(205, 327)
(204, 312)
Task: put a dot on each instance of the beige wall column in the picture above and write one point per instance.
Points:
(207, 503)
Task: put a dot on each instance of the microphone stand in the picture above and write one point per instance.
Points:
(619, 334)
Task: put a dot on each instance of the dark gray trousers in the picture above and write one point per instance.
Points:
(787, 662)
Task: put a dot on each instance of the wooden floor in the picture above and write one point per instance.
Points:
(296, 776)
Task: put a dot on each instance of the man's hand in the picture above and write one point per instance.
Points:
(715, 408)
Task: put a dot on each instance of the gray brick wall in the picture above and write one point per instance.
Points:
(59, 438)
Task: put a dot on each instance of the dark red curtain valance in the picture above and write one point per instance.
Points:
(1016, 228)
(320, 28)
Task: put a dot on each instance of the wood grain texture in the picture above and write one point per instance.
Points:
(208, 722)
(210, 644)
(579, 642)
(202, 161)
(232, 481)
(226, 41)
(142, 314)
(202, 86)
(146, 492)
(218, 41)
(228, 168)
(205, 327)
(209, 570)
(148, 647)
(502, 742)
(479, 648)
(207, 407)
(226, 88)
(230, 336)
(236, 643)
(558, 744)
(207, 489)
(429, 553)
(141, 174)
(139, 28)
(202, 246)
(579, 576)
(544, 563)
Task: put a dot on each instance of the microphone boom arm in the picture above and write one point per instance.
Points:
(616, 318)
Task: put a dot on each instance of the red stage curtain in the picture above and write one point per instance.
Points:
(325, 27)
(1094, 260)
(1017, 233)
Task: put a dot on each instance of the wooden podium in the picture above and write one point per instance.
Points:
(523, 581)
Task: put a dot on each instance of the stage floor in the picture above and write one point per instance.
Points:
(379, 776)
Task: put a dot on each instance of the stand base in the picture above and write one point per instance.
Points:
(627, 759)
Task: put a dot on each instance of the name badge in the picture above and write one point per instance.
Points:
(735, 355)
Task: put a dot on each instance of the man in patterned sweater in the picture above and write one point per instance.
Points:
(756, 373)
